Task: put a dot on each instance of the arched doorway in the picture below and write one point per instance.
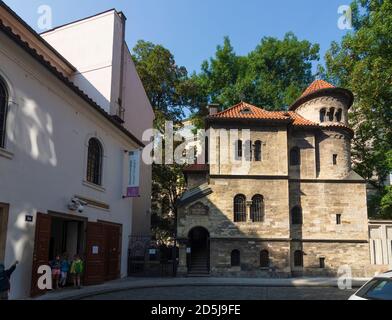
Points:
(199, 256)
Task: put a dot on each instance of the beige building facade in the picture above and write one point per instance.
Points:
(289, 204)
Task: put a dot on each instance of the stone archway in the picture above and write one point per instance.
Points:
(199, 256)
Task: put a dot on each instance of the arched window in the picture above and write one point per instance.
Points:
(264, 259)
(322, 115)
(339, 115)
(238, 150)
(331, 114)
(257, 208)
(257, 156)
(240, 208)
(296, 215)
(298, 258)
(94, 161)
(3, 113)
(235, 258)
(295, 157)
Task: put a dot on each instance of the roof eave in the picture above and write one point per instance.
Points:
(347, 93)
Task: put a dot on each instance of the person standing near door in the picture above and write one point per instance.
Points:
(5, 276)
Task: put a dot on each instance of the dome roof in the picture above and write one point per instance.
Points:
(318, 88)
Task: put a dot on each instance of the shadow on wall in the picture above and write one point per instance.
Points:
(226, 236)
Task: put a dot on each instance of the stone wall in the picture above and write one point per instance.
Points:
(336, 254)
(220, 219)
(279, 253)
(273, 152)
(306, 142)
(322, 201)
(330, 142)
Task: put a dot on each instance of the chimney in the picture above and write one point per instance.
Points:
(213, 108)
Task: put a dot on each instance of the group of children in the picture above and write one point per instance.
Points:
(61, 267)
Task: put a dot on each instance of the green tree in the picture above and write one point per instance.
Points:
(163, 80)
(168, 89)
(362, 63)
(273, 75)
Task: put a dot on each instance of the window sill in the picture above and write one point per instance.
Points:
(93, 186)
(6, 154)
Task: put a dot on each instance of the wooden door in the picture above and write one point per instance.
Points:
(41, 249)
(95, 254)
(112, 251)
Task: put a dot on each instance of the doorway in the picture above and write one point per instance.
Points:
(98, 243)
(3, 229)
(199, 242)
(67, 238)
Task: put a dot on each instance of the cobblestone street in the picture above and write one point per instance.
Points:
(228, 293)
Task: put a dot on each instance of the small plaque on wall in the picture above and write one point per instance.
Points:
(199, 209)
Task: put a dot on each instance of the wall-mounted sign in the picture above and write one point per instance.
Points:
(95, 250)
(134, 174)
(152, 251)
(29, 218)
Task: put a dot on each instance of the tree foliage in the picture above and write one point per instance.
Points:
(362, 63)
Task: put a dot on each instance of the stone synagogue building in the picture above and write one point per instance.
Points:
(298, 210)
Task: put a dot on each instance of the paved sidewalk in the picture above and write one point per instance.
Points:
(137, 283)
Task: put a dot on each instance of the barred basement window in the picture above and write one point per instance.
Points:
(235, 258)
(257, 208)
(264, 259)
(3, 113)
(296, 215)
(298, 258)
(240, 208)
(94, 161)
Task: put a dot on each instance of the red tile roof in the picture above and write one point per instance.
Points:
(321, 86)
(299, 120)
(316, 86)
(245, 110)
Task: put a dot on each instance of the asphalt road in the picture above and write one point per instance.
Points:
(228, 293)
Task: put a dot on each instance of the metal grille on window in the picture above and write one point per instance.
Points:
(94, 162)
(239, 208)
(257, 208)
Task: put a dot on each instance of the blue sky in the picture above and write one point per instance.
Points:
(192, 29)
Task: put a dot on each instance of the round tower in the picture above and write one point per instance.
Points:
(328, 107)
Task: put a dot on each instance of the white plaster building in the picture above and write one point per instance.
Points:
(71, 105)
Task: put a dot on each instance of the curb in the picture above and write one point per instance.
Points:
(132, 286)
